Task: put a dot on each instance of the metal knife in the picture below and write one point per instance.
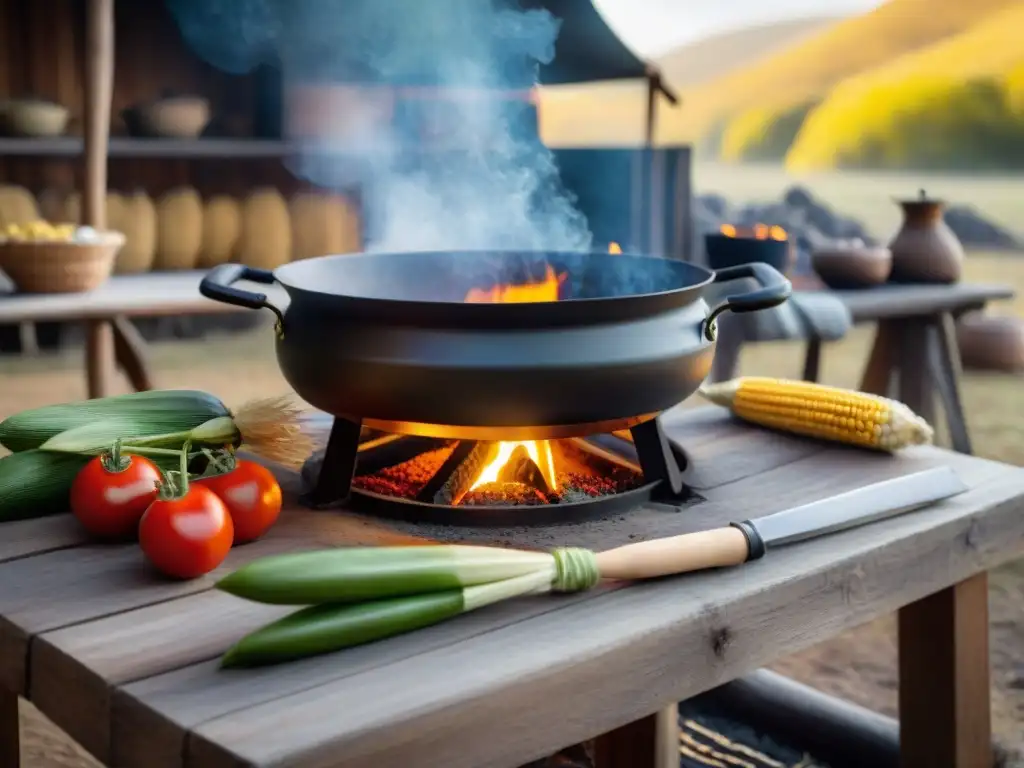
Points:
(750, 540)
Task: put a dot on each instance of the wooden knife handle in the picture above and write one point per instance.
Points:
(716, 548)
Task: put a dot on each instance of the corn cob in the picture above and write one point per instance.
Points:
(156, 412)
(816, 410)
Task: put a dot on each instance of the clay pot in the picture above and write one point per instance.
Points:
(991, 342)
(852, 267)
(925, 250)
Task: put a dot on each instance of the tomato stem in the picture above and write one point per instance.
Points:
(222, 461)
(175, 483)
(113, 460)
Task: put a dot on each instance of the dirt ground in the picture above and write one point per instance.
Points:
(860, 665)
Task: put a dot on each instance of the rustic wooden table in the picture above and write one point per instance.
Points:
(126, 662)
(110, 339)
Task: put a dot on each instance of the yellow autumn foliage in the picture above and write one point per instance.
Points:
(946, 105)
(763, 134)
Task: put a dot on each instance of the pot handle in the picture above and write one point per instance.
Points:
(774, 290)
(217, 286)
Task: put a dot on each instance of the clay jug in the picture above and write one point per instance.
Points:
(925, 250)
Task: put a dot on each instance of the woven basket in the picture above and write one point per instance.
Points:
(57, 267)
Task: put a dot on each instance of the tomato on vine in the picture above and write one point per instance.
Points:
(187, 531)
(112, 492)
(249, 491)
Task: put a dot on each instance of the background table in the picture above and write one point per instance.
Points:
(126, 662)
(110, 339)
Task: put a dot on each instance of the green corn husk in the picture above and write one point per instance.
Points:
(159, 411)
(37, 483)
(326, 628)
(363, 594)
(96, 437)
(373, 573)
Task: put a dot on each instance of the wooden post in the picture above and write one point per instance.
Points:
(632, 746)
(99, 87)
(10, 738)
(944, 679)
(653, 88)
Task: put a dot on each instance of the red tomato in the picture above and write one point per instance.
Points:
(251, 495)
(111, 493)
(188, 536)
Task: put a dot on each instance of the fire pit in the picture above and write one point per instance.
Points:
(733, 246)
(495, 384)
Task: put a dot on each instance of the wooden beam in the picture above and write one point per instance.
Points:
(99, 88)
(945, 718)
(10, 739)
(634, 745)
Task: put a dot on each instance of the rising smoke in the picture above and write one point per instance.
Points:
(497, 189)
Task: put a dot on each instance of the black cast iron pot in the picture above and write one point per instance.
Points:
(389, 338)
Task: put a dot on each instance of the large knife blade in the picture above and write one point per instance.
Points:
(749, 540)
(860, 506)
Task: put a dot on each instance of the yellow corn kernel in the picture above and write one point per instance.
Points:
(816, 410)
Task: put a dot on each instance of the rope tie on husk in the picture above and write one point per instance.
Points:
(576, 570)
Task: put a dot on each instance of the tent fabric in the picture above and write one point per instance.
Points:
(588, 50)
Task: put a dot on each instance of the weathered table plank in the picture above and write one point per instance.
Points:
(625, 654)
(897, 302)
(128, 667)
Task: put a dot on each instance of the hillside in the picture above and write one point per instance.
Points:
(613, 113)
(850, 114)
(812, 67)
(714, 56)
(808, 68)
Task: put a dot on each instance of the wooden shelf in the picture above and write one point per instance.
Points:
(121, 147)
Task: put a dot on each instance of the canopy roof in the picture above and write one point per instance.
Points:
(586, 49)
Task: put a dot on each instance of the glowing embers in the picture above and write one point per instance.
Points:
(468, 473)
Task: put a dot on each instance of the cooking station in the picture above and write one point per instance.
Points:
(127, 664)
(509, 367)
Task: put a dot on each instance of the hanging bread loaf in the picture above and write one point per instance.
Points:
(266, 238)
(222, 225)
(179, 230)
(17, 206)
(139, 225)
(322, 224)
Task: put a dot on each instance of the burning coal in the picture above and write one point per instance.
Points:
(494, 187)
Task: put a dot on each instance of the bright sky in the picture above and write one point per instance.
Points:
(651, 27)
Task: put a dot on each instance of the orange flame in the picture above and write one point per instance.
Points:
(538, 450)
(544, 290)
(614, 247)
(757, 232)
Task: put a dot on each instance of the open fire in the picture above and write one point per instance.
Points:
(756, 232)
(467, 473)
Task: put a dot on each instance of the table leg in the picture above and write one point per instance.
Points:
(10, 739)
(915, 387)
(632, 746)
(944, 359)
(812, 361)
(944, 679)
(130, 353)
(878, 373)
(99, 357)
